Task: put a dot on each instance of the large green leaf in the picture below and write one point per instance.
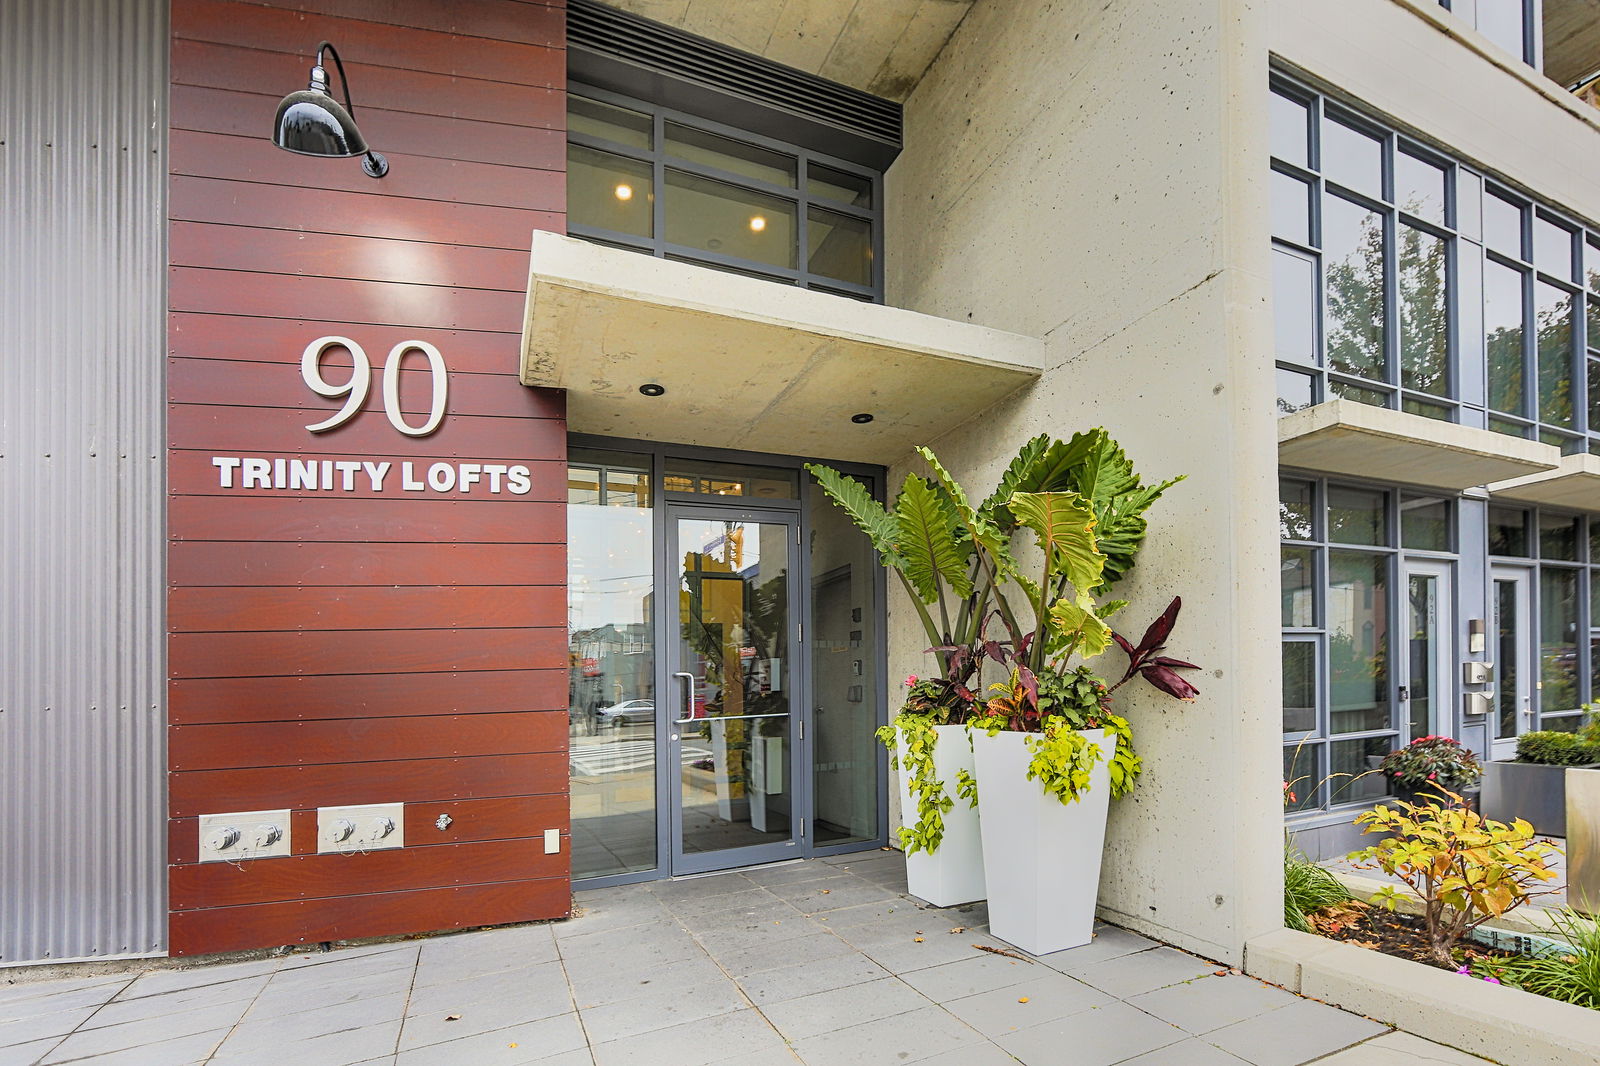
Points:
(926, 540)
(868, 514)
(1065, 525)
(1103, 474)
(1078, 623)
(995, 508)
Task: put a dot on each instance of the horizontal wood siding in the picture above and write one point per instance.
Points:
(332, 646)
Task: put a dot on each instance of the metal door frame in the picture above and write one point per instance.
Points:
(1441, 719)
(1504, 747)
(674, 859)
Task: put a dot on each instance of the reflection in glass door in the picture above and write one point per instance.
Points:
(732, 740)
(1513, 627)
(1428, 691)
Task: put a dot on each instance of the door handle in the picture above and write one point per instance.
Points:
(688, 698)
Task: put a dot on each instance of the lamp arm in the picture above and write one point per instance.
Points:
(327, 46)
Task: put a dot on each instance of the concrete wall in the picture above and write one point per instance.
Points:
(1094, 173)
(1432, 72)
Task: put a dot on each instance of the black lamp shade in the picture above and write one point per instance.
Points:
(313, 123)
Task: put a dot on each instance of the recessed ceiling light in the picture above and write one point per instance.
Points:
(861, 419)
(652, 389)
(757, 224)
(624, 192)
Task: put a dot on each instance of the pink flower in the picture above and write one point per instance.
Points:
(1492, 980)
(911, 679)
(1463, 969)
(1432, 776)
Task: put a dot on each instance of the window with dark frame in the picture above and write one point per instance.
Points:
(685, 188)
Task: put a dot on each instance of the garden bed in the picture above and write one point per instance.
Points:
(1401, 935)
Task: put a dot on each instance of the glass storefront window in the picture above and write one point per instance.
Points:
(1296, 519)
(1508, 531)
(1358, 641)
(1299, 573)
(1425, 523)
(609, 191)
(611, 656)
(1357, 516)
(1299, 687)
(1424, 325)
(1353, 268)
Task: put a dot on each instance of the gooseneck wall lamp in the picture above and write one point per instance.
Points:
(311, 122)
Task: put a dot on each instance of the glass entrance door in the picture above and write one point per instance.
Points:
(1427, 698)
(1512, 601)
(732, 699)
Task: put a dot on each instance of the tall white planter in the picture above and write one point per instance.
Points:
(954, 873)
(1041, 857)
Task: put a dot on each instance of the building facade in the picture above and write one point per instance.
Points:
(396, 554)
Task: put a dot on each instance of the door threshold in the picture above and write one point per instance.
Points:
(736, 869)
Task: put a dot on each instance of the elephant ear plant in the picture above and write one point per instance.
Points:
(1084, 506)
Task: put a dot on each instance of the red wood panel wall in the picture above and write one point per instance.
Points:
(364, 647)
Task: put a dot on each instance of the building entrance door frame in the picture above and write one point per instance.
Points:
(669, 504)
(1513, 629)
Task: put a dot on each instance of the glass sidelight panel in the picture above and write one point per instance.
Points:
(1422, 643)
(844, 678)
(611, 682)
(1558, 641)
(732, 681)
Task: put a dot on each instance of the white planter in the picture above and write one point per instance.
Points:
(954, 873)
(1041, 857)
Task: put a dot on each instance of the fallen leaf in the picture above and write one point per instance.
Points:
(1219, 973)
(826, 891)
(452, 1017)
(1022, 999)
(959, 929)
(511, 1045)
(917, 939)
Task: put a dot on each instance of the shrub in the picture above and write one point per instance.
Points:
(1464, 868)
(1307, 887)
(1553, 748)
(1436, 762)
(1570, 976)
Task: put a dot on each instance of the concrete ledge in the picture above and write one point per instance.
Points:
(751, 364)
(1359, 440)
(1498, 1023)
(1574, 484)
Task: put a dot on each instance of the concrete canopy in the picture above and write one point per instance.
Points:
(748, 363)
(1574, 484)
(1359, 440)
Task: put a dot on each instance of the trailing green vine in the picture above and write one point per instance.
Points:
(918, 739)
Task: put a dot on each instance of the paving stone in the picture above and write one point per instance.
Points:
(57, 1023)
(911, 1037)
(543, 986)
(437, 1027)
(535, 1041)
(1401, 1049)
(984, 1054)
(199, 997)
(816, 944)
(903, 954)
(741, 916)
(1049, 996)
(263, 1030)
(1110, 942)
(665, 1005)
(1098, 1037)
(357, 1044)
(637, 947)
(471, 954)
(1145, 971)
(193, 1047)
(967, 977)
(841, 1008)
(1293, 1034)
(27, 1054)
(80, 993)
(697, 887)
(1191, 1052)
(738, 1035)
(594, 989)
(748, 900)
(756, 932)
(606, 910)
(803, 979)
(790, 873)
(1212, 1002)
(287, 995)
(831, 895)
(135, 1034)
(869, 913)
(160, 982)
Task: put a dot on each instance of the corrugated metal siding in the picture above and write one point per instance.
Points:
(83, 101)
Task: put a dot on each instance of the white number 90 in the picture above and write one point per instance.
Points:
(360, 384)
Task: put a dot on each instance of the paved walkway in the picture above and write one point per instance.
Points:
(821, 962)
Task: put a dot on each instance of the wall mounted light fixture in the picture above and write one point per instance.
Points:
(311, 122)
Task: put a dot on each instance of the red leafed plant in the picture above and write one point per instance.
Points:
(1146, 659)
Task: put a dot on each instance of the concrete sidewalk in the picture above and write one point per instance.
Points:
(824, 962)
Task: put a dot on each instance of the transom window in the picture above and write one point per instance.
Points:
(683, 188)
(1511, 24)
(1403, 279)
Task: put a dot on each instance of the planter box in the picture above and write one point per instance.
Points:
(1583, 839)
(1041, 857)
(954, 873)
(1531, 791)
